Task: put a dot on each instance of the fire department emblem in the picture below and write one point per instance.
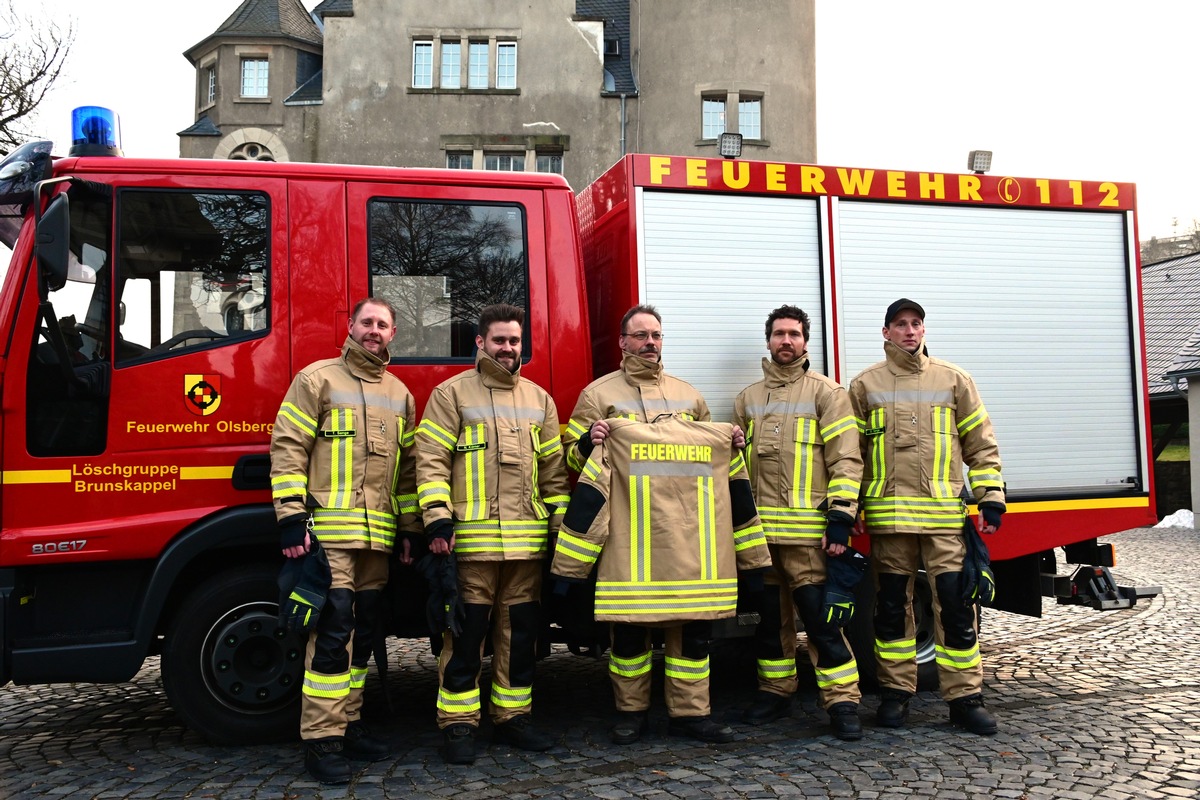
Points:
(202, 394)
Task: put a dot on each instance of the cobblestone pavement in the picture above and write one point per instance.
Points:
(1090, 704)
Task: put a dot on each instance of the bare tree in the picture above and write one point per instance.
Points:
(32, 55)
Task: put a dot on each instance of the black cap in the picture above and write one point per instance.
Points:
(900, 305)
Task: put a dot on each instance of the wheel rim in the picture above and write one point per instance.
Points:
(249, 663)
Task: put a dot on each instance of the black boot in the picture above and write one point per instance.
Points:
(969, 713)
(521, 732)
(702, 728)
(362, 745)
(326, 761)
(459, 744)
(843, 718)
(893, 708)
(629, 727)
(767, 707)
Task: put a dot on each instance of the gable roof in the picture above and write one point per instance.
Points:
(1171, 306)
(334, 8)
(259, 18)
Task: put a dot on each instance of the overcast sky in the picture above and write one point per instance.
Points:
(1097, 90)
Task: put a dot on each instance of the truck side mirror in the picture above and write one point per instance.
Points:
(53, 245)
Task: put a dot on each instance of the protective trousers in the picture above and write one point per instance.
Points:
(897, 557)
(335, 661)
(686, 648)
(796, 581)
(512, 589)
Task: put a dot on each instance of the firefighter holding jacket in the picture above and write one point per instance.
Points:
(803, 454)
(921, 419)
(492, 485)
(341, 471)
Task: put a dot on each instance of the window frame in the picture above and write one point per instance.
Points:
(454, 63)
(475, 71)
(260, 76)
(417, 46)
(502, 47)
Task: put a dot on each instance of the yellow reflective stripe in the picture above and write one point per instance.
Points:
(559, 501)
(288, 485)
(629, 667)
(358, 677)
(773, 669)
(957, 659)
(972, 420)
(509, 538)
(656, 598)
(406, 504)
(844, 487)
(921, 512)
(791, 523)
(985, 477)
(433, 492)
(639, 527)
(292, 413)
(341, 476)
(687, 669)
(737, 464)
(579, 549)
(591, 470)
(506, 697)
(877, 421)
(458, 702)
(575, 430)
(706, 513)
(535, 499)
(354, 525)
(548, 447)
(318, 685)
(749, 451)
(899, 650)
(802, 468)
(749, 536)
(836, 676)
(837, 428)
(943, 451)
(437, 433)
(476, 494)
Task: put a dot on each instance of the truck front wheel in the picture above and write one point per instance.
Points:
(228, 668)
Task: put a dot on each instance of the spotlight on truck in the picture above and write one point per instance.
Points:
(730, 145)
(979, 161)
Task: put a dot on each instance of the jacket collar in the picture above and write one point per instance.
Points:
(900, 361)
(494, 374)
(639, 371)
(361, 362)
(782, 374)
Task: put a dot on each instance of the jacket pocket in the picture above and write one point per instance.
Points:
(875, 436)
(338, 433)
(804, 466)
(471, 464)
(945, 444)
(535, 492)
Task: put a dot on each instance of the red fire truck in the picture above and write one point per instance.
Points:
(154, 312)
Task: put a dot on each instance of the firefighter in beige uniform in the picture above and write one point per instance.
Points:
(492, 484)
(803, 455)
(921, 419)
(339, 449)
(666, 510)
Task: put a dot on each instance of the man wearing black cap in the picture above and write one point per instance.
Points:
(921, 419)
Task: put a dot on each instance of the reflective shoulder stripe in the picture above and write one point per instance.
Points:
(437, 433)
(292, 412)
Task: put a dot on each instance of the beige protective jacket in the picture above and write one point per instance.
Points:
(667, 511)
(340, 448)
(801, 448)
(639, 390)
(921, 418)
(489, 456)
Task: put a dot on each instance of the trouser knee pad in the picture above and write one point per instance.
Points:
(525, 620)
(958, 618)
(890, 607)
(334, 629)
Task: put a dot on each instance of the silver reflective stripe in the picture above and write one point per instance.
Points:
(781, 407)
(688, 469)
(505, 412)
(397, 405)
(941, 396)
(653, 405)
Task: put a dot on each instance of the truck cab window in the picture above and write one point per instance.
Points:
(191, 271)
(439, 264)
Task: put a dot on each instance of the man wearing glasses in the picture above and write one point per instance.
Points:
(640, 390)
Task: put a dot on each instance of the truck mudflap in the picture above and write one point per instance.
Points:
(1095, 586)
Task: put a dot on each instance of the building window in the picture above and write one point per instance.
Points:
(210, 94)
(477, 67)
(460, 160)
(506, 65)
(251, 151)
(254, 77)
(504, 162)
(750, 118)
(547, 162)
(451, 65)
(712, 115)
(422, 65)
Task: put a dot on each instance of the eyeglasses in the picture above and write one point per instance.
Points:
(642, 336)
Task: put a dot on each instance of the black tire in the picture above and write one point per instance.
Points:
(228, 669)
(862, 634)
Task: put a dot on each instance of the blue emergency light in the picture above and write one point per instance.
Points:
(95, 131)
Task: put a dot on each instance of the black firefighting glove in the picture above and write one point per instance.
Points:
(838, 527)
(292, 531)
(843, 574)
(991, 513)
(303, 586)
(440, 529)
(978, 580)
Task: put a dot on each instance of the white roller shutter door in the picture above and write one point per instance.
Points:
(715, 266)
(1034, 304)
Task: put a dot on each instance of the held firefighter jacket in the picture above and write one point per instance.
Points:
(489, 456)
(639, 390)
(341, 448)
(921, 418)
(666, 510)
(801, 449)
